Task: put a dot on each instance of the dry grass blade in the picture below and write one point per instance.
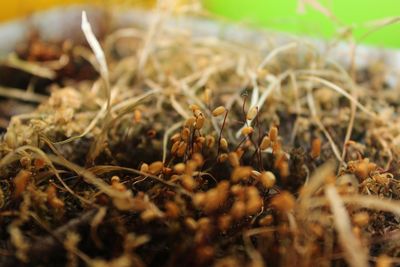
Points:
(311, 105)
(101, 58)
(89, 177)
(276, 52)
(377, 25)
(32, 68)
(354, 251)
(342, 92)
(372, 202)
(315, 182)
(21, 95)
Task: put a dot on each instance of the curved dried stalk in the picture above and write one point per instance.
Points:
(355, 253)
(21, 95)
(276, 52)
(342, 92)
(29, 67)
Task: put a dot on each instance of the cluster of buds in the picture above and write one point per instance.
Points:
(281, 161)
(213, 199)
(266, 178)
(247, 201)
(185, 171)
(361, 168)
(190, 140)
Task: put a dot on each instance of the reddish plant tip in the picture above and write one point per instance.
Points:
(156, 167)
(247, 130)
(266, 220)
(265, 143)
(362, 170)
(144, 167)
(254, 201)
(267, 179)
(185, 133)
(21, 181)
(180, 168)
(223, 144)
(252, 113)
(176, 137)
(190, 121)
(218, 111)
(52, 198)
(191, 223)
(384, 261)
(115, 179)
(283, 202)
(224, 222)
(181, 149)
(172, 209)
(188, 182)
(39, 163)
(315, 148)
(241, 173)
(207, 96)
(210, 141)
(194, 107)
(198, 159)
(117, 185)
(222, 157)
(284, 169)
(137, 116)
(238, 210)
(233, 159)
(199, 122)
(361, 219)
(273, 134)
(197, 113)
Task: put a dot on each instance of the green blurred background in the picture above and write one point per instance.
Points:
(281, 15)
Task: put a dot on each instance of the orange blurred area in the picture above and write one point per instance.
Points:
(13, 9)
